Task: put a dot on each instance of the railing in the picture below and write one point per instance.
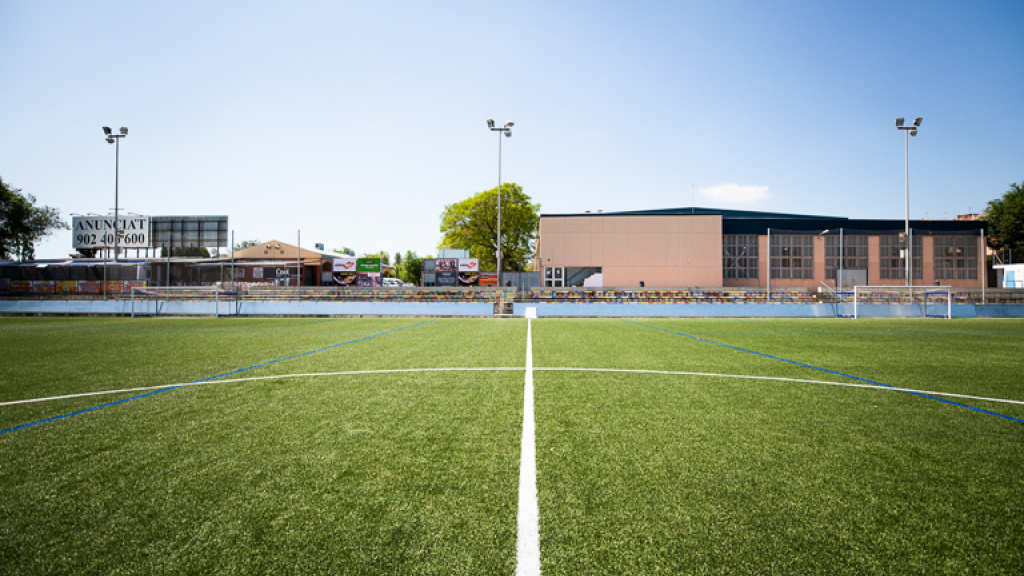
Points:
(687, 296)
(506, 296)
(478, 295)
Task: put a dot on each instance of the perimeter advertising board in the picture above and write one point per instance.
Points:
(447, 271)
(344, 265)
(92, 232)
(368, 265)
(469, 271)
(343, 272)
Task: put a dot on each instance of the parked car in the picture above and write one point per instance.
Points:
(393, 283)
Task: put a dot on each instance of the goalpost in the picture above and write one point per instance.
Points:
(178, 300)
(903, 301)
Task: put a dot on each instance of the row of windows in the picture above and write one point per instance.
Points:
(739, 256)
(792, 256)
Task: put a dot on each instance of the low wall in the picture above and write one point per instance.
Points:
(454, 309)
(616, 310)
(273, 308)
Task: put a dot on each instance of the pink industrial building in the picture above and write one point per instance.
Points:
(707, 248)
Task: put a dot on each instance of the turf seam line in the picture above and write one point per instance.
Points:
(794, 362)
(310, 353)
(528, 520)
(512, 369)
(202, 380)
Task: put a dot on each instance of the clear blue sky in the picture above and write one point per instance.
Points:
(357, 122)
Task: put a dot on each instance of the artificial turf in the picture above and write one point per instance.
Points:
(359, 446)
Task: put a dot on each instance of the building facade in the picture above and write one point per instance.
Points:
(708, 248)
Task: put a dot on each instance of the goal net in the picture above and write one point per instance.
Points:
(902, 301)
(180, 300)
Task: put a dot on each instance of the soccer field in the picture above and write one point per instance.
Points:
(393, 446)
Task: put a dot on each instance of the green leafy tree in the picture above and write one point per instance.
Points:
(246, 244)
(385, 259)
(1005, 218)
(472, 225)
(345, 251)
(409, 268)
(22, 223)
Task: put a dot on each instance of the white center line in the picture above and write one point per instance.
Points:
(528, 535)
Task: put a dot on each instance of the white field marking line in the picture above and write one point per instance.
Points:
(253, 379)
(528, 524)
(779, 379)
(402, 370)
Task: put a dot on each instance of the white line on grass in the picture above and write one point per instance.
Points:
(414, 370)
(779, 379)
(251, 379)
(528, 534)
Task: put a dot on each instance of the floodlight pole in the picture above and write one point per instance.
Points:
(908, 131)
(769, 292)
(115, 139)
(507, 130)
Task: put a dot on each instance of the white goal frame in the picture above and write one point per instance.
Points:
(159, 300)
(904, 301)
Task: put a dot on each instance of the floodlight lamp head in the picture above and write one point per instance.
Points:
(508, 133)
(899, 122)
(490, 123)
(509, 124)
(110, 140)
(917, 123)
(124, 131)
(913, 132)
(106, 130)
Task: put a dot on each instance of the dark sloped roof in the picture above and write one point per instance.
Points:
(752, 222)
(696, 211)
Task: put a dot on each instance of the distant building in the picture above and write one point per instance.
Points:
(707, 248)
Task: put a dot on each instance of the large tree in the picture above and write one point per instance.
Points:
(473, 225)
(1006, 220)
(22, 223)
(409, 268)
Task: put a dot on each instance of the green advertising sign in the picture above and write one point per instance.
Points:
(368, 265)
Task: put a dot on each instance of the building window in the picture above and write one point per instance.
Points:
(739, 256)
(854, 254)
(891, 265)
(956, 257)
(792, 257)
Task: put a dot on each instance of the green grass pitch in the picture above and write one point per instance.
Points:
(392, 445)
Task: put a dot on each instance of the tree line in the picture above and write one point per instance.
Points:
(471, 224)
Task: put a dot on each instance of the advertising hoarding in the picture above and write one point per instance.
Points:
(345, 278)
(447, 278)
(92, 232)
(344, 265)
(368, 265)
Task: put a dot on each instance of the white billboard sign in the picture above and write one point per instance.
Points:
(469, 264)
(91, 232)
(344, 265)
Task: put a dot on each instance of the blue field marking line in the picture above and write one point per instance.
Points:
(848, 328)
(209, 378)
(794, 362)
(133, 326)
